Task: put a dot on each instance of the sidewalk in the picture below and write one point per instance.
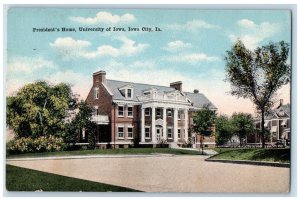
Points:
(94, 156)
(209, 152)
(247, 162)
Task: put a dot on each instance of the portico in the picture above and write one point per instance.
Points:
(161, 128)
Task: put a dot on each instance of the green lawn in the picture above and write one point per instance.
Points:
(258, 154)
(21, 179)
(110, 151)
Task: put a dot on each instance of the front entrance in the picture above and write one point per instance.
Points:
(158, 134)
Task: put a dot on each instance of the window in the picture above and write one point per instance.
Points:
(169, 133)
(147, 132)
(96, 93)
(83, 133)
(158, 112)
(121, 111)
(95, 110)
(147, 112)
(129, 132)
(129, 93)
(129, 111)
(121, 132)
(179, 131)
(169, 112)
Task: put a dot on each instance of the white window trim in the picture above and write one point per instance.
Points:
(83, 133)
(118, 132)
(149, 127)
(95, 110)
(131, 132)
(96, 89)
(123, 111)
(126, 93)
(146, 112)
(131, 111)
(171, 115)
(158, 109)
(171, 132)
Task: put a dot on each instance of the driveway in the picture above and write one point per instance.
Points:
(168, 173)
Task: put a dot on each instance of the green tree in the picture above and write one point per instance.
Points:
(39, 109)
(224, 130)
(258, 74)
(81, 121)
(242, 125)
(204, 120)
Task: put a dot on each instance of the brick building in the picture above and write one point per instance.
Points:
(277, 123)
(131, 114)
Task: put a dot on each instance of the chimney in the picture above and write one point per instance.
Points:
(281, 102)
(99, 77)
(176, 85)
(196, 91)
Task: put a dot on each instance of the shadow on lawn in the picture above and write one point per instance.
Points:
(280, 155)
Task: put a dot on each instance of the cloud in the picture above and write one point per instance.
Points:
(71, 48)
(246, 23)
(105, 18)
(192, 25)
(28, 64)
(176, 46)
(130, 47)
(192, 58)
(136, 65)
(253, 34)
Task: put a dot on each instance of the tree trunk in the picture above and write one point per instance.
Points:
(201, 143)
(263, 128)
(240, 140)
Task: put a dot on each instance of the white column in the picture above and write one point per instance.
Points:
(175, 126)
(164, 123)
(153, 125)
(186, 118)
(142, 124)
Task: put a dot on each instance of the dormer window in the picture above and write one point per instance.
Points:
(96, 93)
(129, 93)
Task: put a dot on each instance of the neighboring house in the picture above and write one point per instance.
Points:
(130, 114)
(277, 123)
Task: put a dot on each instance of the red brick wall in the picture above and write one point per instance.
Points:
(104, 102)
(126, 121)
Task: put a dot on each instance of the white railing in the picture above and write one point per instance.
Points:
(162, 97)
(100, 119)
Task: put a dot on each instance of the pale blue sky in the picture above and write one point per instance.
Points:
(191, 47)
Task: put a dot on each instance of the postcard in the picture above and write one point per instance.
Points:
(148, 100)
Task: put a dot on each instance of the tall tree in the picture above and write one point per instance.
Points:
(204, 120)
(242, 125)
(224, 130)
(81, 121)
(39, 109)
(258, 74)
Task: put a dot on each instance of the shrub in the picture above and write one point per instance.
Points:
(40, 144)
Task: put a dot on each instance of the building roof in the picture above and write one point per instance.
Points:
(198, 99)
(283, 111)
